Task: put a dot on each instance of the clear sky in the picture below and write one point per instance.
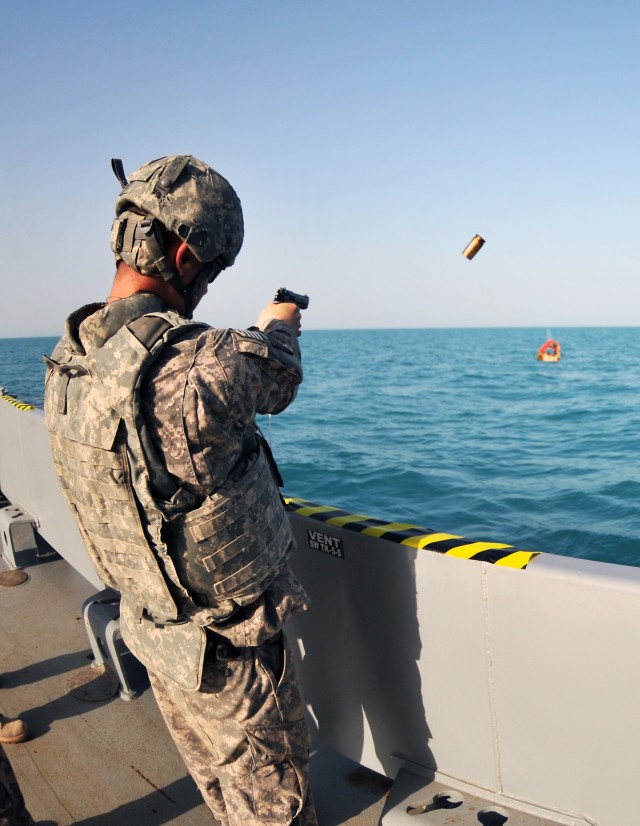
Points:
(368, 142)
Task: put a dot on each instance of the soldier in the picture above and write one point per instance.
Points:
(13, 811)
(152, 425)
(13, 730)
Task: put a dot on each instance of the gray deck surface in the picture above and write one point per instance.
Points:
(113, 762)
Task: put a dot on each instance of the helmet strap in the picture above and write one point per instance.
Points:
(187, 297)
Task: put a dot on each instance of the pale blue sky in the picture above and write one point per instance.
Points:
(368, 142)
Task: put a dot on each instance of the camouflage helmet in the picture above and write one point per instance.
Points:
(186, 197)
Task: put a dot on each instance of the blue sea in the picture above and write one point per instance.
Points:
(459, 430)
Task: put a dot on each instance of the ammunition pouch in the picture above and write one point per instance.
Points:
(235, 543)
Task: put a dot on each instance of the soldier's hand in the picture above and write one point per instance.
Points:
(289, 313)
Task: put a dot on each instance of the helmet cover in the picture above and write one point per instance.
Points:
(190, 200)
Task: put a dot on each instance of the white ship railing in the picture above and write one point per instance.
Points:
(522, 682)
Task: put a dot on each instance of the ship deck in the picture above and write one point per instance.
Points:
(112, 762)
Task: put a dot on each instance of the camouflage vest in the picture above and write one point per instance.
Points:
(170, 558)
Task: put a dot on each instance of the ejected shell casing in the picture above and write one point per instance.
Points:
(472, 247)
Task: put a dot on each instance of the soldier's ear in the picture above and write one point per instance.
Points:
(186, 264)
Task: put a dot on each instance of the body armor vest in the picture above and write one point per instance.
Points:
(170, 555)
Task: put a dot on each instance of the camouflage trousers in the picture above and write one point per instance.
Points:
(12, 809)
(243, 736)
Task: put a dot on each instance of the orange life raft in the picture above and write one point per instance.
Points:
(550, 351)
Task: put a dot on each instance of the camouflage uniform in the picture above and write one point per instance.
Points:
(236, 713)
(12, 809)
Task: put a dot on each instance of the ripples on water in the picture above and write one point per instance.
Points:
(465, 431)
(462, 431)
(22, 367)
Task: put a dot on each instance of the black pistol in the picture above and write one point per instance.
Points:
(285, 296)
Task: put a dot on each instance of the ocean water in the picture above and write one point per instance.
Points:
(462, 431)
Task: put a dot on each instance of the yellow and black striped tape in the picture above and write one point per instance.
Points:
(17, 403)
(496, 553)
